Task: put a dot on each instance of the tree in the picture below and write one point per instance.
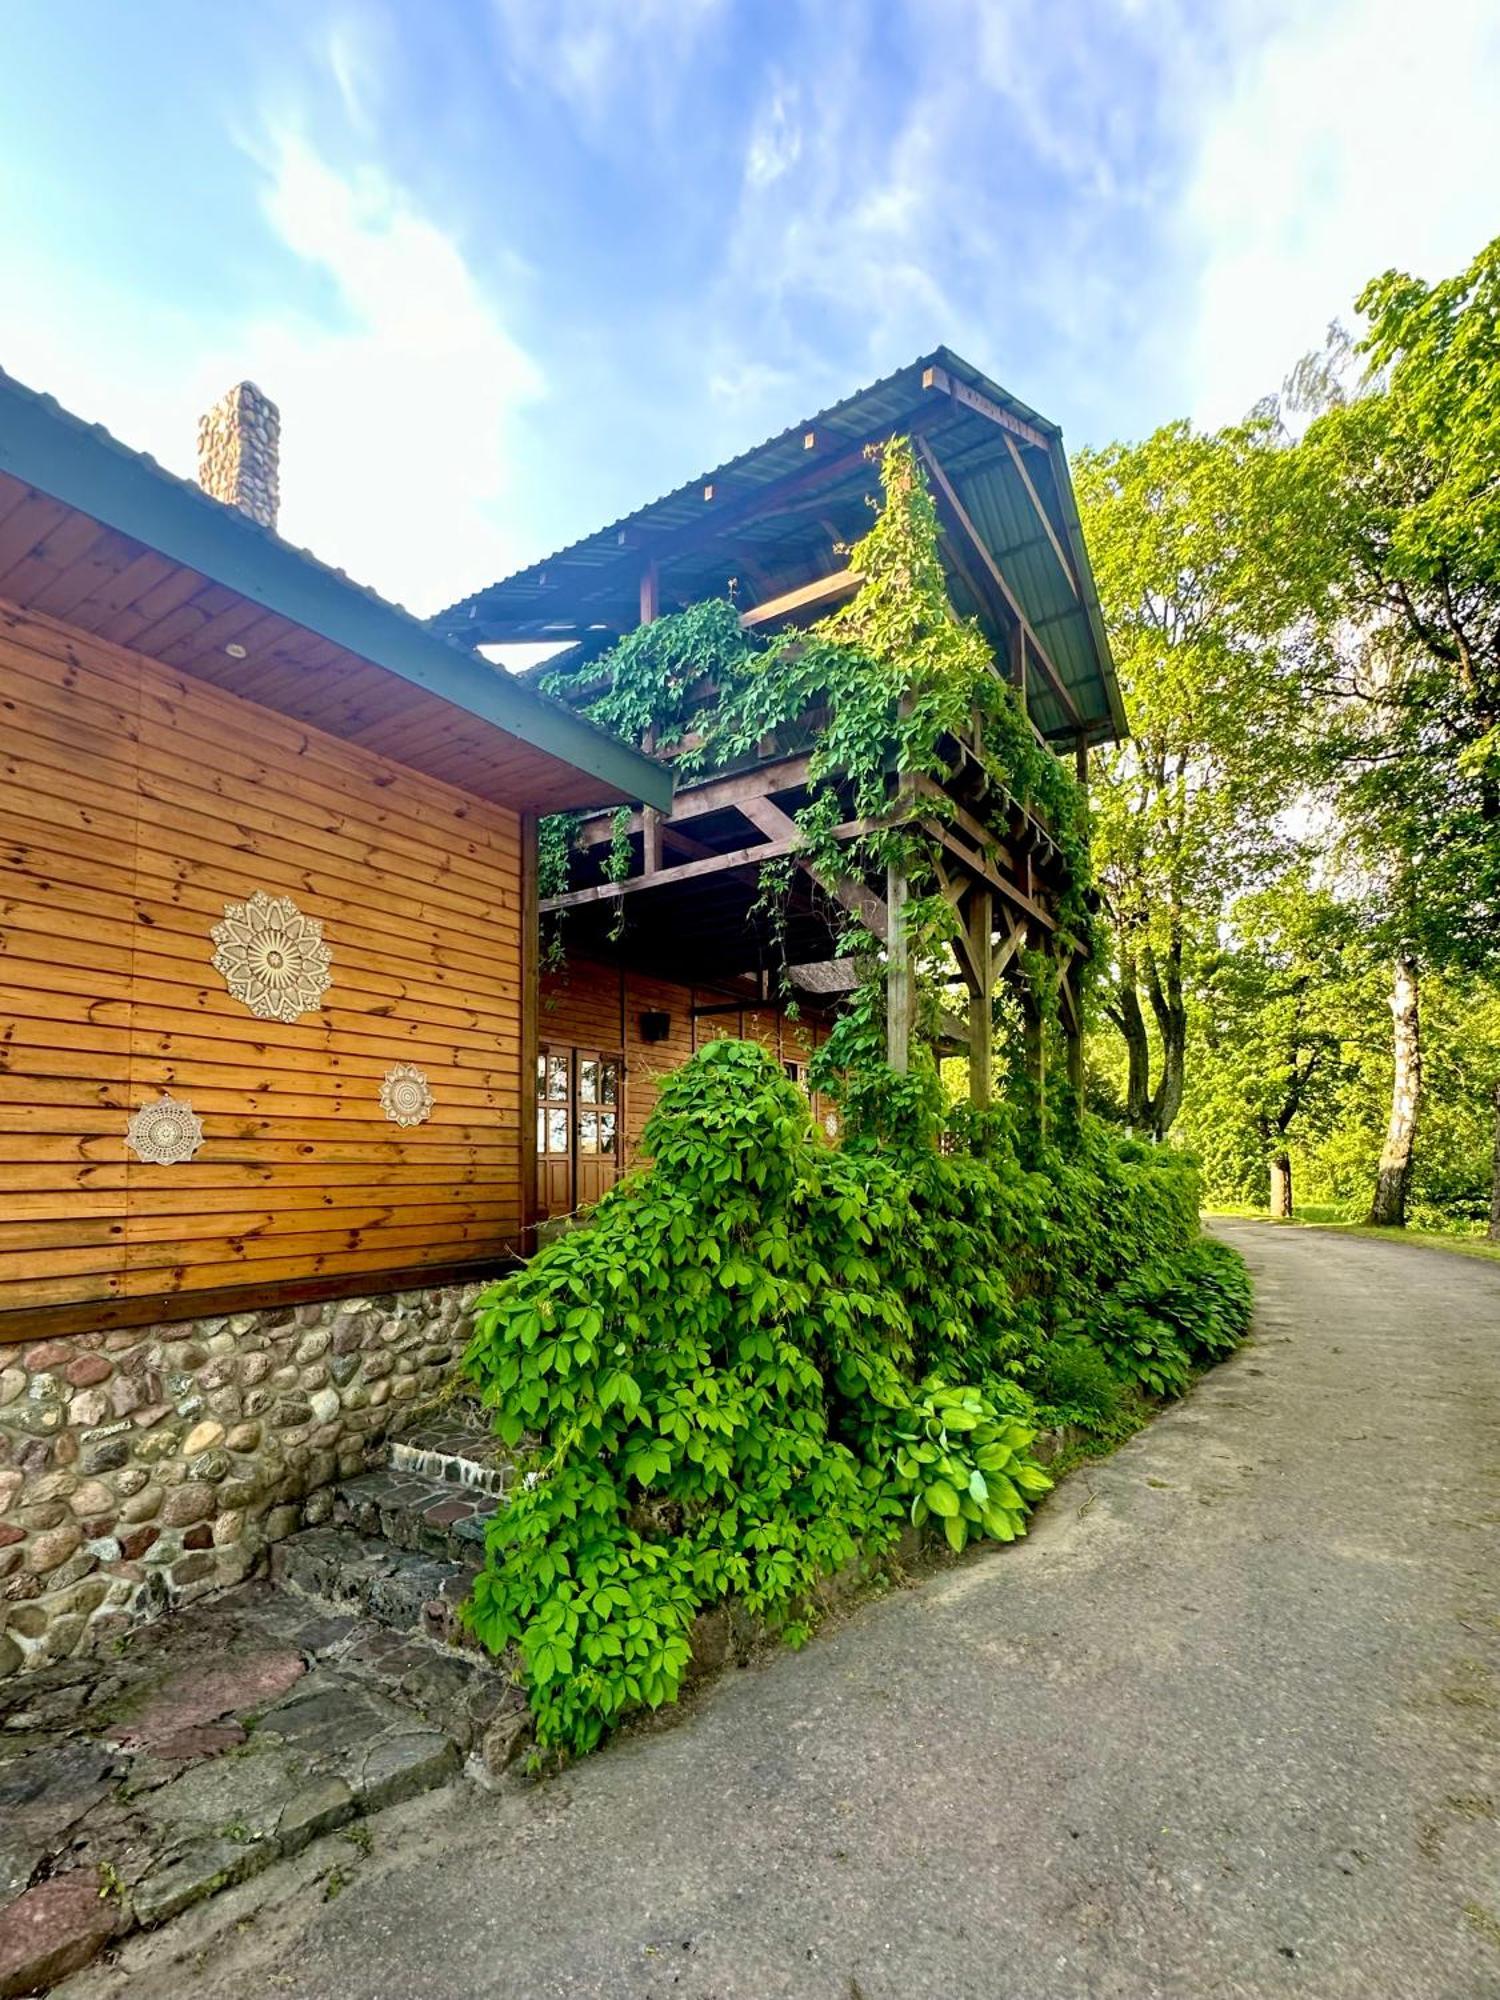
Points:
(1273, 1022)
(1184, 533)
(1399, 487)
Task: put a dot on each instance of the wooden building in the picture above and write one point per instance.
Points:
(198, 715)
(281, 1076)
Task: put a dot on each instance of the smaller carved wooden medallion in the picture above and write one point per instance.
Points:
(165, 1132)
(406, 1096)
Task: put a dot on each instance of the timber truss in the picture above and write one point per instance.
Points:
(691, 903)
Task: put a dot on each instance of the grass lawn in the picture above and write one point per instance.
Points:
(1314, 1217)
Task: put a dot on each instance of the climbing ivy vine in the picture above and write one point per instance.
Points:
(875, 690)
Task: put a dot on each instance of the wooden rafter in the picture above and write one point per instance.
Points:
(1064, 561)
(710, 797)
(691, 871)
(979, 866)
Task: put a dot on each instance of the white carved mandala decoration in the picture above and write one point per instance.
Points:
(406, 1096)
(272, 957)
(165, 1132)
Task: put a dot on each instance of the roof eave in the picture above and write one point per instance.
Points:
(85, 468)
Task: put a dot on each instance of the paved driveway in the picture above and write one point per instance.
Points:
(1225, 1725)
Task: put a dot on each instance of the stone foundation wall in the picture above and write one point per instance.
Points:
(144, 1468)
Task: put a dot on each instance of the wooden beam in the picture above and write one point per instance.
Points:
(983, 836)
(684, 843)
(856, 896)
(713, 795)
(650, 594)
(1003, 955)
(768, 818)
(984, 406)
(981, 1020)
(899, 995)
(718, 864)
(1064, 562)
(960, 514)
(806, 597)
(978, 866)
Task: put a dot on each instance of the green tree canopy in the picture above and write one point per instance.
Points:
(1185, 531)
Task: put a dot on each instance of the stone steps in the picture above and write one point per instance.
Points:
(419, 1515)
(360, 1576)
(399, 1553)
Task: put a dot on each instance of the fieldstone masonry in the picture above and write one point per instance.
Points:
(239, 448)
(144, 1468)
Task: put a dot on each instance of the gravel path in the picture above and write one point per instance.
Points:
(1226, 1725)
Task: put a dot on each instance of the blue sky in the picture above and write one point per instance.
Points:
(511, 268)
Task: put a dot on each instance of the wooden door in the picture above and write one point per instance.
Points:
(578, 1133)
(596, 1126)
(554, 1131)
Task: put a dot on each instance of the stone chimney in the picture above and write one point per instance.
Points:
(239, 442)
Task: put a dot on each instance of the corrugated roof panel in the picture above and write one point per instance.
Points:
(974, 429)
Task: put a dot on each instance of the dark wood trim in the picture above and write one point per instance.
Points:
(107, 1315)
(531, 975)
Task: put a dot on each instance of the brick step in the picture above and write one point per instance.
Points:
(413, 1512)
(458, 1449)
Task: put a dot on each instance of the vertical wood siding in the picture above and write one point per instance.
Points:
(134, 804)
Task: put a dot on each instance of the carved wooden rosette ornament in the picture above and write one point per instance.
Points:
(164, 1133)
(272, 957)
(406, 1096)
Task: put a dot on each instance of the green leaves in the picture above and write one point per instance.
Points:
(762, 1355)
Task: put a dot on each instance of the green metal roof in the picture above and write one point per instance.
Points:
(767, 512)
(82, 465)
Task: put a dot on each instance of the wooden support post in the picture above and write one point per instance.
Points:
(1081, 761)
(1036, 1061)
(899, 993)
(650, 818)
(531, 973)
(650, 595)
(1075, 1065)
(981, 1019)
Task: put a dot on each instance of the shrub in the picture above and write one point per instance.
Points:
(765, 1353)
(1076, 1385)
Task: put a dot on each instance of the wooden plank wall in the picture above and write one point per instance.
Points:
(585, 1005)
(134, 804)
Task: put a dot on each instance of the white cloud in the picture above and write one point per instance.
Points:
(398, 405)
(1353, 137)
(613, 63)
(776, 140)
(397, 424)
